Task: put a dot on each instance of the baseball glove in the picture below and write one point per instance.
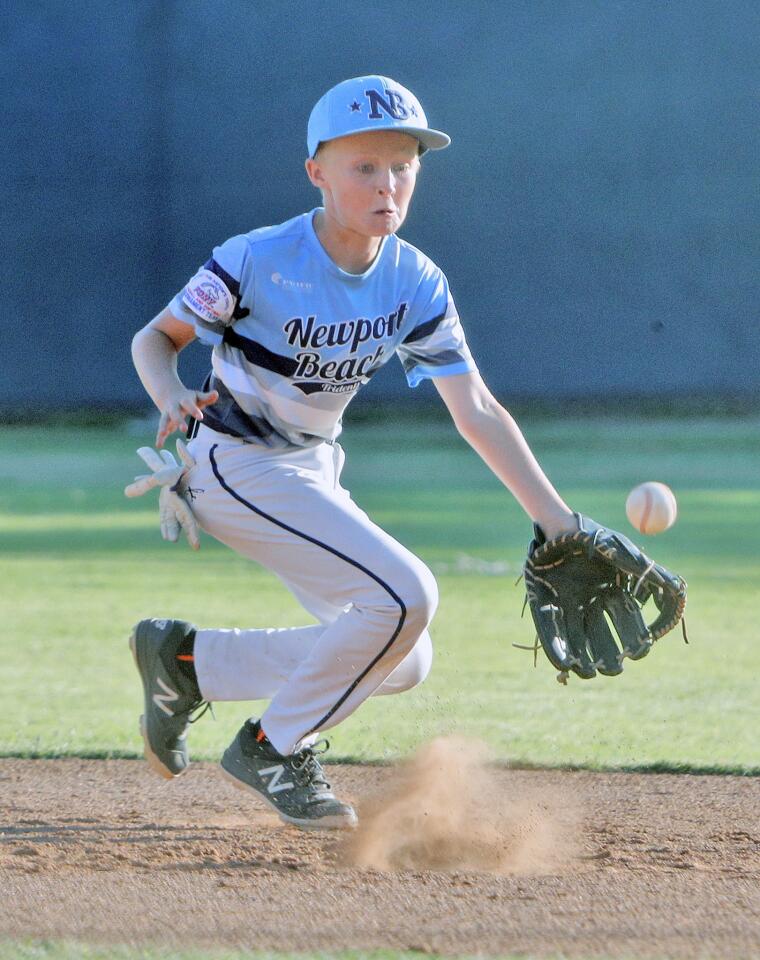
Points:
(577, 582)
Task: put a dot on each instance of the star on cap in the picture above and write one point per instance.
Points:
(355, 107)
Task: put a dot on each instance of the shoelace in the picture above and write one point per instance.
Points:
(307, 768)
(205, 707)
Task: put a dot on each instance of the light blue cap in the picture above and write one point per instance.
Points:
(370, 103)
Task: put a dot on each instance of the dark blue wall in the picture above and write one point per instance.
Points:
(597, 213)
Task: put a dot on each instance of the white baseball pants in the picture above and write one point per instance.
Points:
(374, 599)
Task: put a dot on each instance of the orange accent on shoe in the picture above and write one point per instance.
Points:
(186, 656)
(260, 736)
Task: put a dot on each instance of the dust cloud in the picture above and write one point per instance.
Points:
(443, 809)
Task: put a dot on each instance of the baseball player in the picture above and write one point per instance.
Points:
(299, 316)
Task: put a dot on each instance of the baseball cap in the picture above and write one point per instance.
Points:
(370, 103)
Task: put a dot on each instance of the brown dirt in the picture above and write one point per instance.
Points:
(580, 864)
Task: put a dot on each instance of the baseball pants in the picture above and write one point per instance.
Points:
(372, 597)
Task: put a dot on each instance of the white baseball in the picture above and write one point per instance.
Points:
(651, 507)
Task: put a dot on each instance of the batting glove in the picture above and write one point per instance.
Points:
(174, 510)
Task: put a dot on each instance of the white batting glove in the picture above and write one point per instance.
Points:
(173, 509)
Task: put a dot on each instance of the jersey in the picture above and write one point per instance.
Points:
(294, 336)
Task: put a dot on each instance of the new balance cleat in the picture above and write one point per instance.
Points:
(293, 786)
(171, 695)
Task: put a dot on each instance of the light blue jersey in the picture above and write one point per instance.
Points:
(294, 336)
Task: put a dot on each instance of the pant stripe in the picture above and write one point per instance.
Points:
(342, 556)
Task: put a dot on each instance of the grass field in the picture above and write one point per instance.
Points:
(42, 950)
(80, 564)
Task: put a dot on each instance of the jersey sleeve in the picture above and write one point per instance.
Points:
(210, 300)
(436, 345)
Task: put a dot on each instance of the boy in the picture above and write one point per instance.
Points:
(300, 315)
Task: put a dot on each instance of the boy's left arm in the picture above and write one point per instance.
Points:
(573, 583)
(493, 434)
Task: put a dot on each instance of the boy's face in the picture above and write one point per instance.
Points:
(367, 180)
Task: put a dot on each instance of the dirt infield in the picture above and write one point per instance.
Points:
(103, 851)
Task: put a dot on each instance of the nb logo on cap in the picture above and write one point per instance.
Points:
(395, 106)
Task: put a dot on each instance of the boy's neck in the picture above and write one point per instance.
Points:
(348, 250)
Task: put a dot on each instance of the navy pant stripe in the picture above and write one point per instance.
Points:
(337, 553)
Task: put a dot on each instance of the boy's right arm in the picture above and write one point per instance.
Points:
(154, 353)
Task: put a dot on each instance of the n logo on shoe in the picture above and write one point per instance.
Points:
(274, 785)
(168, 696)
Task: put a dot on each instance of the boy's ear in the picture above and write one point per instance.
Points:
(314, 173)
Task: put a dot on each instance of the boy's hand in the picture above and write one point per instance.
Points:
(187, 403)
(558, 526)
(580, 583)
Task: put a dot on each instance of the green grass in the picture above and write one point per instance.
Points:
(79, 564)
(51, 950)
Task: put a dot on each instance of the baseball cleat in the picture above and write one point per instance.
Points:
(293, 786)
(170, 695)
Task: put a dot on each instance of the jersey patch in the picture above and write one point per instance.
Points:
(208, 296)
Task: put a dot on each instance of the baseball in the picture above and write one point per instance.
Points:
(651, 507)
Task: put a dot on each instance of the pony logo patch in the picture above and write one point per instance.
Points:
(208, 296)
